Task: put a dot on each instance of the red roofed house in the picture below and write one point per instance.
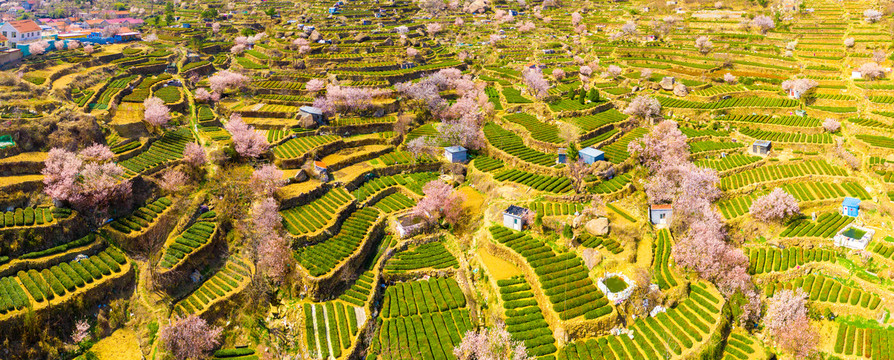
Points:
(21, 31)
(660, 214)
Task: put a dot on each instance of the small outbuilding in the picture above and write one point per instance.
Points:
(310, 117)
(514, 217)
(591, 155)
(563, 156)
(761, 147)
(850, 207)
(660, 214)
(456, 154)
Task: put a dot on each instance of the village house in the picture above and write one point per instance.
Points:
(20, 32)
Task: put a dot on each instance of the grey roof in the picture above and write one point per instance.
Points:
(591, 151)
(762, 142)
(515, 210)
(311, 110)
(455, 149)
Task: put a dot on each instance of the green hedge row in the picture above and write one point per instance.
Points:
(422, 297)
(764, 260)
(359, 292)
(186, 243)
(226, 279)
(322, 257)
(427, 256)
(563, 277)
(314, 215)
(526, 323)
(142, 217)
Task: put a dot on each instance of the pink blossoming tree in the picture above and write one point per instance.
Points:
(155, 112)
(190, 337)
(775, 206)
(440, 201)
(266, 180)
(246, 141)
(788, 326)
(490, 343)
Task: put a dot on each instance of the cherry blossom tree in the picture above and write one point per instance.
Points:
(421, 145)
(645, 74)
(81, 332)
(704, 45)
(274, 254)
(831, 125)
(71, 45)
(190, 337)
(703, 249)
(629, 28)
(172, 181)
(879, 55)
(613, 71)
(849, 42)
(225, 79)
(799, 87)
(464, 133)
(440, 201)
(788, 325)
(665, 145)
(533, 78)
(576, 18)
(348, 99)
(527, 26)
(764, 23)
(459, 22)
(775, 206)
(238, 49)
(433, 28)
(202, 95)
(644, 107)
(155, 112)
(558, 74)
(194, 155)
(872, 15)
(494, 38)
(315, 85)
(490, 343)
(89, 181)
(38, 47)
(246, 141)
(730, 79)
(412, 52)
(871, 71)
(266, 180)
(215, 27)
(89, 49)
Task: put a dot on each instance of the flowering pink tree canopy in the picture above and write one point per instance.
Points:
(190, 337)
(613, 71)
(831, 125)
(533, 78)
(315, 85)
(225, 79)
(576, 18)
(872, 15)
(558, 74)
(202, 95)
(246, 141)
(172, 180)
(788, 325)
(492, 343)
(730, 79)
(527, 26)
(412, 52)
(194, 155)
(440, 201)
(704, 45)
(433, 28)
(665, 145)
(344, 99)
(274, 254)
(777, 205)
(155, 112)
(89, 49)
(644, 107)
(871, 71)
(215, 27)
(38, 47)
(799, 86)
(266, 180)
(88, 180)
(764, 23)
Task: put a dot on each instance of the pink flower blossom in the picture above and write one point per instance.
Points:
(266, 180)
(777, 205)
(190, 337)
(155, 112)
(194, 155)
(246, 141)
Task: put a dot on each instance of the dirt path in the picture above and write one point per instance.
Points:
(313, 311)
(326, 322)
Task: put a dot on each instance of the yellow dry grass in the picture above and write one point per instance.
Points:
(121, 345)
(498, 268)
(36, 156)
(474, 199)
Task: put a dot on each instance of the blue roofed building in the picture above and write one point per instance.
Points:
(590, 155)
(850, 207)
(456, 154)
